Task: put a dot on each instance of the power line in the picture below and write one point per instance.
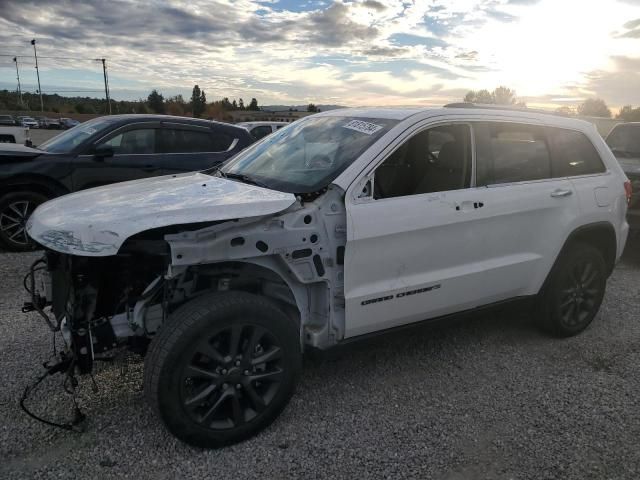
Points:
(49, 57)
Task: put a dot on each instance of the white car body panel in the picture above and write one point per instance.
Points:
(20, 134)
(440, 260)
(96, 222)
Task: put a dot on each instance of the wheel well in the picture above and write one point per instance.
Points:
(599, 235)
(251, 278)
(44, 187)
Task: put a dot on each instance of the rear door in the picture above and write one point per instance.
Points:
(135, 156)
(188, 148)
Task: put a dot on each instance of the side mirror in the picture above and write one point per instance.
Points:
(103, 151)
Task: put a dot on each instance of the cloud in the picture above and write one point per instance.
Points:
(501, 16)
(377, 51)
(312, 50)
(374, 5)
(334, 27)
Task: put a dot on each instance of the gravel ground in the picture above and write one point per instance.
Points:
(487, 397)
(40, 135)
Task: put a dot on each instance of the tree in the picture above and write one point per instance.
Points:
(504, 96)
(234, 105)
(629, 114)
(198, 101)
(175, 105)
(594, 107)
(253, 105)
(155, 101)
(312, 108)
(565, 111)
(240, 104)
(500, 96)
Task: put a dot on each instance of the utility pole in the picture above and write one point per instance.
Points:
(15, 59)
(106, 82)
(35, 54)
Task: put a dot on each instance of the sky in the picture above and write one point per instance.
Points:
(354, 53)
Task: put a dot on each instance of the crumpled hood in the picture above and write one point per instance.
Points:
(96, 222)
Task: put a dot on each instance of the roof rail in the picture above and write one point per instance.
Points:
(493, 106)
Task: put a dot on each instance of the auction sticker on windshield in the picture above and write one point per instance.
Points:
(363, 127)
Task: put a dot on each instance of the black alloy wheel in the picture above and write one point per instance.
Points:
(15, 210)
(574, 293)
(578, 299)
(232, 376)
(223, 367)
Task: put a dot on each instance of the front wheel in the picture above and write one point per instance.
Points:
(15, 210)
(223, 368)
(574, 292)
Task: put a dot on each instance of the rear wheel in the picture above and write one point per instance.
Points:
(223, 368)
(15, 210)
(575, 291)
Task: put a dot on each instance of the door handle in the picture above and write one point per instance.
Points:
(468, 205)
(561, 193)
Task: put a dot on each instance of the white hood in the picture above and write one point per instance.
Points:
(96, 222)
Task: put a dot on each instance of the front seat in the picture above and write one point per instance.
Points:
(448, 172)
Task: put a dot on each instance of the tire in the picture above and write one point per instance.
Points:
(573, 295)
(15, 210)
(207, 396)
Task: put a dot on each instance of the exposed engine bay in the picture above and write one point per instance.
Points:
(99, 304)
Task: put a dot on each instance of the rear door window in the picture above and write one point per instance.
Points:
(512, 152)
(175, 140)
(573, 154)
(624, 141)
(260, 131)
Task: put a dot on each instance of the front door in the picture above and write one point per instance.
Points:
(431, 241)
(135, 156)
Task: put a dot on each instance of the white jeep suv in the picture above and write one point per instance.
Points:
(345, 223)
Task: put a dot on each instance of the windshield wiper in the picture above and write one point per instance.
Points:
(243, 178)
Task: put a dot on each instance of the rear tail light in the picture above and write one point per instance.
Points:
(628, 190)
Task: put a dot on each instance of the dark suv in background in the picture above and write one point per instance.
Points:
(103, 151)
(624, 142)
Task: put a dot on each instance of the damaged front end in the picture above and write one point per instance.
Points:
(100, 303)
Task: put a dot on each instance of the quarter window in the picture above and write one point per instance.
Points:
(573, 154)
(434, 160)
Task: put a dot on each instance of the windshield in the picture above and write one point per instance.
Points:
(624, 141)
(307, 155)
(67, 141)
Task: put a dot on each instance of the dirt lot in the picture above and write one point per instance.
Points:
(487, 397)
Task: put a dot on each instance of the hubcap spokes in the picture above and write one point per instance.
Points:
(578, 299)
(13, 221)
(232, 376)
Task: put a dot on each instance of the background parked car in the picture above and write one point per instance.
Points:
(102, 151)
(50, 123)
(7, 120)
(624, 142)
(29, 122)
(68, 122)
(262, 129)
